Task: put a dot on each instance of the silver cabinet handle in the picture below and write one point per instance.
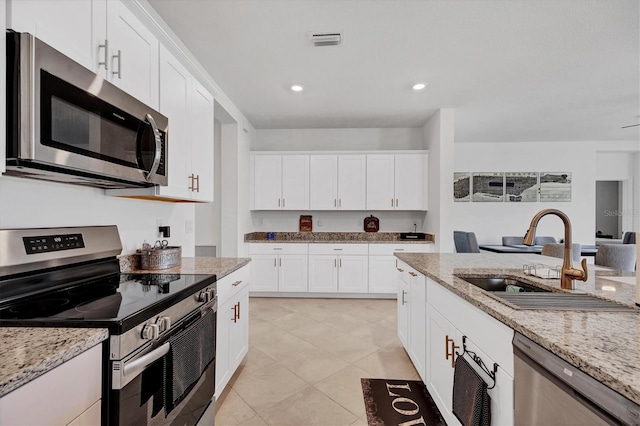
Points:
(274, 262)
(280, 262)
(119, 56)
(237, 283)
(403, 299)
(335, 263)
(335, 204)
(156, 156)
(341, 263)
(396, 202)
(392, 202)
(278, 202)
(283, 202)
(337, 249)
(105, 46)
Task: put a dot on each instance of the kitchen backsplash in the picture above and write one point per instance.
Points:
(337, 221)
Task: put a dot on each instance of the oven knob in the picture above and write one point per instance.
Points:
(212, 293)
(204, 296)
(150, 331)
(164, 323)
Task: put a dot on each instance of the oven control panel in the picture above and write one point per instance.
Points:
(49, 243)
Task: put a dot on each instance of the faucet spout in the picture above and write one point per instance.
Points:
(568, 273)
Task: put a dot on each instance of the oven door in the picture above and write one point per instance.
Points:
(172, 382)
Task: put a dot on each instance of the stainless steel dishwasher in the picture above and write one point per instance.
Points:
(550, 391)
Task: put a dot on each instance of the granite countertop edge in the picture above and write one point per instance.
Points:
(34, 351)
(516, 319)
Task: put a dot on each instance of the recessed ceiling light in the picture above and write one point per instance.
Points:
(419, 86)
(297, 87)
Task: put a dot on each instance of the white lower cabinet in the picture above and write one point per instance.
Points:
(68, 394)
(232, 331)
(338, 268)
(412, 313)
(279, 267)
(449, 319)
(383, 263)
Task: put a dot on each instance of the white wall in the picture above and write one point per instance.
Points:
(29, 203)
(438, 134)
(490, 221)
(370, 139)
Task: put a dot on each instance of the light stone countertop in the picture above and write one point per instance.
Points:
(29, 352)
(335, 238)
(605, 345)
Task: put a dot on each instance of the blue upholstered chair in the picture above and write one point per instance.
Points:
(629, 238)
(512, 241)
(540, 241)
(465, 242)
(617, 256)
(557, 250)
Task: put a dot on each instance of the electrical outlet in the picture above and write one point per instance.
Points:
(260, 221)
(188, 226)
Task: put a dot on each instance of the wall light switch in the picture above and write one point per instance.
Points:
(320, 223)
(188, 226)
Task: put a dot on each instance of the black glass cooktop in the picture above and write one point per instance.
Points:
(117, 301)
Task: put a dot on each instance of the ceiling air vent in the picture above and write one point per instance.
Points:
(326, 39)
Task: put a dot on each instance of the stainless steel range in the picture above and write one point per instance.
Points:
(159, 360)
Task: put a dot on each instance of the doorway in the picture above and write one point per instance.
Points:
(609, 209)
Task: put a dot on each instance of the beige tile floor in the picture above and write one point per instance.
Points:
(306, 358)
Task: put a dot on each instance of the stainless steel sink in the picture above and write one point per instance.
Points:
(502, 284)
(532, 297)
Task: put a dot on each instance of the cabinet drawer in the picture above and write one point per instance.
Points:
(389, 249)
(339, 249)
(229, 285)
(493, 336)
(278, 248)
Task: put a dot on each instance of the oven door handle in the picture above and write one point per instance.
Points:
(131, 369)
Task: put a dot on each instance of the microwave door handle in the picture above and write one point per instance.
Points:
(156, 158)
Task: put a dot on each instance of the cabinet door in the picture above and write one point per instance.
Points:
(223, 334)
(382, 274)
(403, 310)
(380, 182)
(410, 182)
(267, 182)
(293, 272)
(239, 336)
(440, 368)
(323, 182)
(201, 117)
(417, 321)
(352, 182)
(175, 88)
(134, 54)
(264, 272)
(323, 274)
(353, 274)
(295, 182)
(75, 28)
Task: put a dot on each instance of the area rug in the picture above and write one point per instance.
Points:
(397, 402)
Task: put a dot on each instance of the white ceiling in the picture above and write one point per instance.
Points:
(517, 70)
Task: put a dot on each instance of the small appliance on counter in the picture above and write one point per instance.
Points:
(371, 224)
(306, 223)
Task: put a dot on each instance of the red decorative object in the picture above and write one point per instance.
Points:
(306, 223)
(371, 224)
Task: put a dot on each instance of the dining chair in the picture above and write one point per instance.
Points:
(557, 250)
(512, 241)
(465, 242)
(617, 256)
(629, 238)
(542, 240)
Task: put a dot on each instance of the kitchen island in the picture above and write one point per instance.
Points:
(605, 345)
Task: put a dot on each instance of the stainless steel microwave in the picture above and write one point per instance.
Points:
(67, 124)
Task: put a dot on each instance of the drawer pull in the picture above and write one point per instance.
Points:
(413, 274)
(337, 249)
(237, 283)
(451, 354)
(277, 248)
(398, 249)
(400, 270)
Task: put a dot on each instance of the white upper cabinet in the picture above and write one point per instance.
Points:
(103, 36)
(280, 182)
(397, 181)
(133, 54)
(76, 28)
(202, 125)
(337, 182)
